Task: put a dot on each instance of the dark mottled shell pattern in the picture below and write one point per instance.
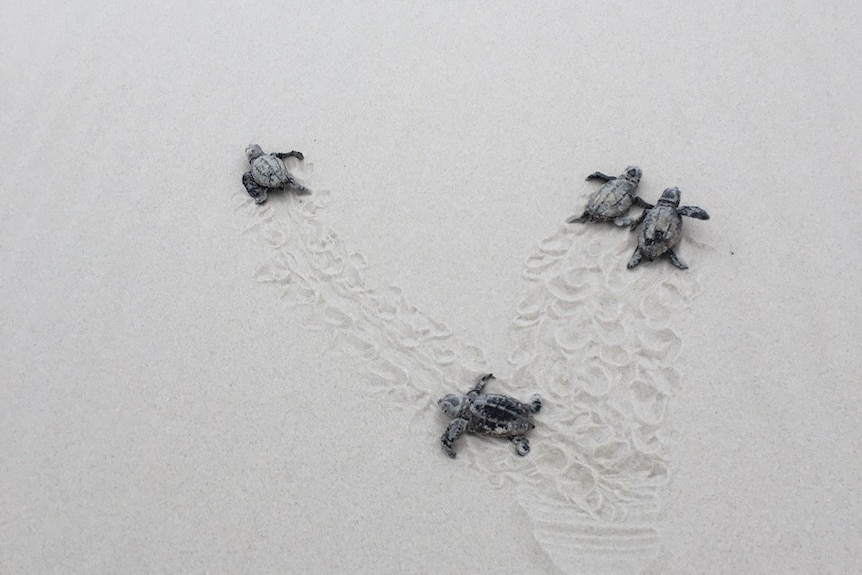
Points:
(613, 199)
(499, 416)
(662, 229)
(269, 171)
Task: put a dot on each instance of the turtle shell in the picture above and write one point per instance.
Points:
(499, 416)
(611, 200)
(662, 230)
(269, 171)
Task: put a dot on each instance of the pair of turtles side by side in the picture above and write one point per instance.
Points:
(662, 223)
(268, 172)
(488, 414)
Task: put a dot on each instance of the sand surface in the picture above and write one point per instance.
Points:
(191, 383)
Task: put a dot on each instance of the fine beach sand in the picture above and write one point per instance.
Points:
(192, 383)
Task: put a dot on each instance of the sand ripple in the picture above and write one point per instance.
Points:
(601, 339)
(411, 358)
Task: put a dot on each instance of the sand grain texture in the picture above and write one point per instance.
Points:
(193, 383)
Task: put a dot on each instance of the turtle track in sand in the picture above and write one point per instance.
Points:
(596, 340)
(410, 357)
(599, 340)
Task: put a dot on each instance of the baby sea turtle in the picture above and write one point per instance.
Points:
(488, 414)
(613, 199)
(268, 172)
(663, 228)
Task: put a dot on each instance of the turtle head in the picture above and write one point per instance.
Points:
(670, 197)
(253, 151)
(633, 174)
(452, 404)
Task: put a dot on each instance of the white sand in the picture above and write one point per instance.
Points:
(167, 407)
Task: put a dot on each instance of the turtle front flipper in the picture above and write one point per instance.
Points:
(291, 154)
(256, 191)
(642, 203)
(636, 258)
(453, 432)
(297, 186)
(674, 259)
(637, 221)
(481, 382)
(522, 444)
(601, 176)
(692, 212)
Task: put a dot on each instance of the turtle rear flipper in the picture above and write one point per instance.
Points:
(692, 212)
(674, 259)
(584, 217)
(522, 444)
(297, 186)
(636, 258)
